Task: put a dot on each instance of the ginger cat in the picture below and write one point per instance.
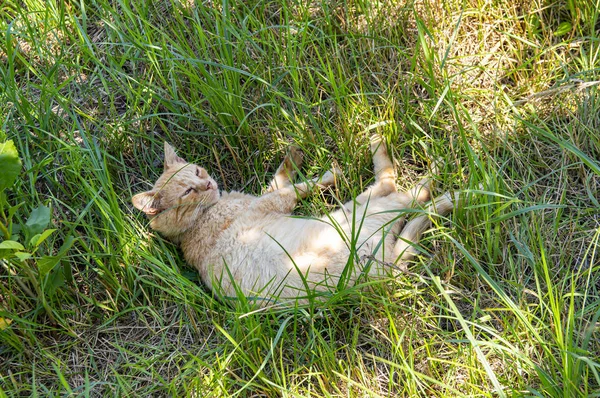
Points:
(253, 245)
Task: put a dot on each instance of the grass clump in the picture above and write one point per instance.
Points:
(504, 300)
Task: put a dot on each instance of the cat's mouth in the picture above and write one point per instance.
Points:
(154, 212)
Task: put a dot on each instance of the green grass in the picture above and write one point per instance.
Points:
(504, 300)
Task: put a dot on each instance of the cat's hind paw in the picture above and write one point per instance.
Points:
(326, 180)
(330, 177)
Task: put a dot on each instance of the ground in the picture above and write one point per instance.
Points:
(504, 298)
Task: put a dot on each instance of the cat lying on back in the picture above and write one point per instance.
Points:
(254, 245)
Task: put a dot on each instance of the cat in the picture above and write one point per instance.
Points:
(252, 245)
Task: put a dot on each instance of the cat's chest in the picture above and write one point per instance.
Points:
(221, 216)
(214, 222)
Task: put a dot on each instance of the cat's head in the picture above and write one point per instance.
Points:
(181, 193)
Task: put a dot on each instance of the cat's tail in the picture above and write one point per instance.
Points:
(405, 249)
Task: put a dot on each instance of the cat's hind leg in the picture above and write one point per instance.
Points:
(385, 174)
(404, 249)
(287, 170)
(421, 192)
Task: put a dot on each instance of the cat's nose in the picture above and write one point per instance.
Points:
(208, 185)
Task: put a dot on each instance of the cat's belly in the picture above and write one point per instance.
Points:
(261, 255)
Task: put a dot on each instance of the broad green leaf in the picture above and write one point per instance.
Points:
(38, 220)
(10, 164)
(11, 244)
(47, 263)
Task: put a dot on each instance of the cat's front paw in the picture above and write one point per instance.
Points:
(295, 156)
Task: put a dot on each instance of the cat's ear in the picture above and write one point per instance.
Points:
(147, 202)
(171, 157)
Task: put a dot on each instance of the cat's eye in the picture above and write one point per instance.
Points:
(187, 192)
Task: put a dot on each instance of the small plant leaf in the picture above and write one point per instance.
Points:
(23, 255)
(10, 164)
(40, 238)
(11, 244)
(38, 220)
(563, 29)
(190, 275)
(16, 230)
(4, 323)
(68, 272)
(55, 280)
(47, 263)
(12, 210)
